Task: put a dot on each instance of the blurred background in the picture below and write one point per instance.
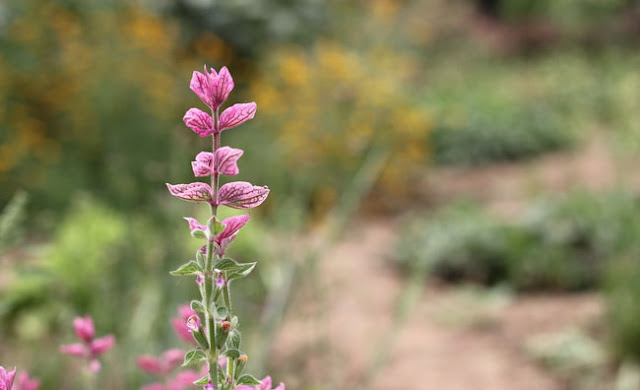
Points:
(454, 195)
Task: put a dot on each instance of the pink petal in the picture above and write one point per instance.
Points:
(226, 160)
(102, 345)
(6, 378)
(74, 350)
(236, 115)
(94, 366)
(198, 121)
(203, 165)
(193, 323)
(244, 387)
(242, 195)
(196, 192)
(150, 364)
(27, 384)
(84, 328)
(280, 386)
(266, 384)
(194, 224)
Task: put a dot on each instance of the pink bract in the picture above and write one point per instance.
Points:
(203, 165)
(194, 224)
(237, 115)
(102, 345)
(213, 88)
(232, 226)
(194, 192)
(199, 121)
(226, 160)
(242, 195)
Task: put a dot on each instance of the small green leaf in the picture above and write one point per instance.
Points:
(247, 379)
(197, 233)
(243, 270)
(202, 381)
(193, 356)
(226, 265)
(190, 268)
(232, 353)
(234, 339)
(222, 312)
(197, 306)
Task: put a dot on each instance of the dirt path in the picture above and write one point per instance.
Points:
(359, 292)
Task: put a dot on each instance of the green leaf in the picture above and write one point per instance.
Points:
(247, 379)
(197, 233)
(222, 312)
(243, 270)
(232, 353)
(190, 268)
(202, 381)
(234, 339)
(226, 265)
(193, 356)
(197, 306)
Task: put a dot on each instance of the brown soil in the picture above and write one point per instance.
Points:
(336, 334)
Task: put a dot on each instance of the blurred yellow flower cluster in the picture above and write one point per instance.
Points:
(330, 105)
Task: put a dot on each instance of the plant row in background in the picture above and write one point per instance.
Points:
(574, 243)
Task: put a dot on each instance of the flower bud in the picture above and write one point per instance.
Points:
(84, 328)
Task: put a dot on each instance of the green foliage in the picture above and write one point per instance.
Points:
(11, 219)
(504, 134)
(623, 312)
(559, 244)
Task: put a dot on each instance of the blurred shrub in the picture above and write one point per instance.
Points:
(561, 244)
(249, 26)
(90, 96)
(489, 136)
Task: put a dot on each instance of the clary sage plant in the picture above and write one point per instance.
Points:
(214, 327)
(209, 322)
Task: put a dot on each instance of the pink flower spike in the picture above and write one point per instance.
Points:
(79, 350)
(203, 165)
(24, 383)
(237, 115)
(213, 88)
(226, 160)
(150, 364)
(84, 328)
(199, 121)
(194, 192)
(242, 195)
(6, 378)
